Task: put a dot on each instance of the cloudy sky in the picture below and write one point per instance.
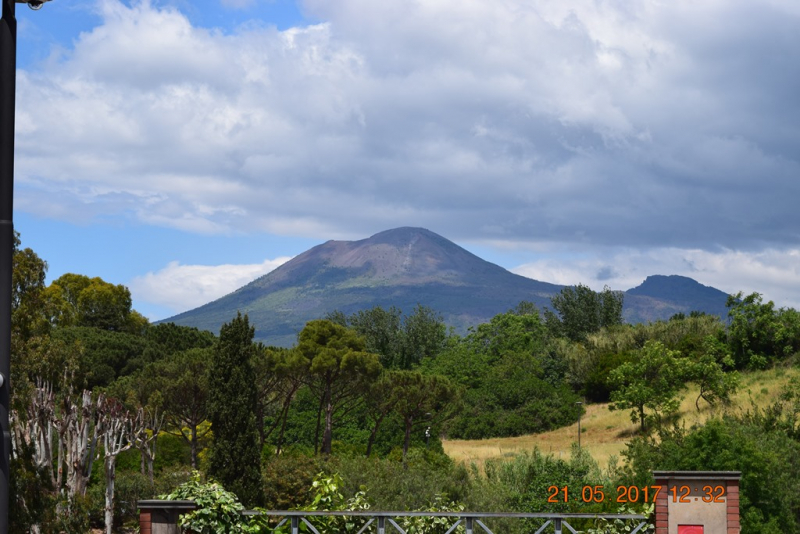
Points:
(184, 148)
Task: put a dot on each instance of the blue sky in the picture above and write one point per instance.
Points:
(184, 148)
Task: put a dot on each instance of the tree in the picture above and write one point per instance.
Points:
(278, 375)
(514, 378)
(510, 332)
(27, 285)
(425, 336)
(146, 426)
(708, 371)
(78, 432)
(758, 333)
(525, 307)
(652, 381)
(420, 399)
(339, 370)
(96, 303)
(382, 332)
(185, 389)
(165, 339)
(29, 325)
(115, 426)
(234, 458)
(401, 341)
(142, 394)
(106, 355)
(380, 401)
(582, 311)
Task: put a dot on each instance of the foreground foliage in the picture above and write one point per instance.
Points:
(218, 510)
(374, 392)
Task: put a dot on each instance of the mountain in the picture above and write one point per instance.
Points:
(661, 297)
(404, 267)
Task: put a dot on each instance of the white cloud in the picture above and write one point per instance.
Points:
(183, 287)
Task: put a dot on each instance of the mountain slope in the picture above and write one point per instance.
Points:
(660, 297)
(400, 267)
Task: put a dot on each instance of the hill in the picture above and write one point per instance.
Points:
(605, 433)
(403, 267)
(661, 297)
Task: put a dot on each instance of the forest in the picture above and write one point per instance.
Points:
(108, 409)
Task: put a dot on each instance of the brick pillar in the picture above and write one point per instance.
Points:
(692, 501)
(662, 510)
(732, 491)
(161, 517)
(144, 522)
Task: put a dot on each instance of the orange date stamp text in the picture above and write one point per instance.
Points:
(630, 494)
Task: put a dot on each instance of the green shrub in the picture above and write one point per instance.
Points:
(218, 512)
(393, 487)
(619, 526)
(434, 525)
(287, 480)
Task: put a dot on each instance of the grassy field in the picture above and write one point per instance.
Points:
(604, 433)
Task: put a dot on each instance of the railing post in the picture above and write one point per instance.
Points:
(557, 523)
(295, 524)
(468, 523)
(381, 525)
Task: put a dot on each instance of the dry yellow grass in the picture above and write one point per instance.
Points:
(605, 432)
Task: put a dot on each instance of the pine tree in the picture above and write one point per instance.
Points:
(234, 458)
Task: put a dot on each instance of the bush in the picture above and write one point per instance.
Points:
(31, 493)
(219, 511)
(287, 480)
(392, 487)
(329, 496)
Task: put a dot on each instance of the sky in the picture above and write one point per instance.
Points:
(184, 148)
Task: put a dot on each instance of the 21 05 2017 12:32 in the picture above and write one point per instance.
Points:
(631, 494)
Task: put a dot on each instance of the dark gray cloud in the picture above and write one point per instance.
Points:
(606, 272)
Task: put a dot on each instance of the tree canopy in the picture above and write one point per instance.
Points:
(339, 369)
(82, 301)
(651, 381)
(582, 311)
(234, 457)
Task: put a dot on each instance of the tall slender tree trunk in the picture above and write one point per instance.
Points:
(409, 421)
(327, 436)
(111, 468)
(193, 443)
(374, 434)
(150, 473)
(60, 460)
(641, 418)
(319, 420)
(262, 435)
(284, 417)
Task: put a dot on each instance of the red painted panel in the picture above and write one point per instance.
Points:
(690, 529)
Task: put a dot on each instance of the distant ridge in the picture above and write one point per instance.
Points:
(660, 297)
(403, 267)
